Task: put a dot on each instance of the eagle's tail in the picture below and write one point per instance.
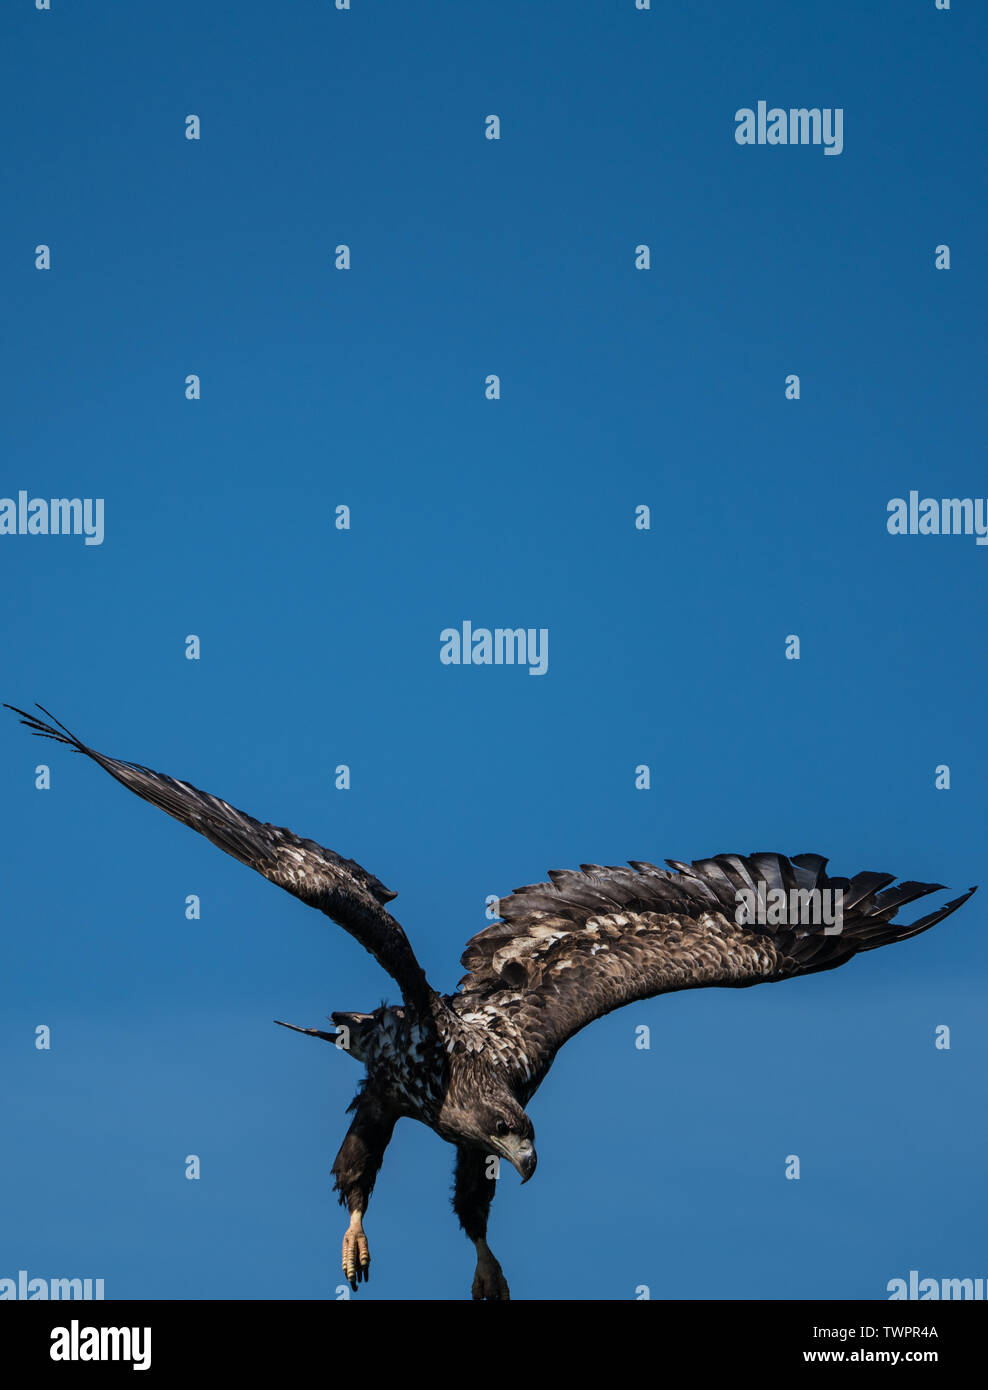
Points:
(349, 1036)
(357, 1030)
(312, 1032)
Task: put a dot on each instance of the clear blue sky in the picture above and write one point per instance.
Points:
(320, 647)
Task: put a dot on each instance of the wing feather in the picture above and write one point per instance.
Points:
(319, 877)
(574, 949)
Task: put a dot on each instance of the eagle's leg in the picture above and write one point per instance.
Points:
(473, 1193)
(355, 1168)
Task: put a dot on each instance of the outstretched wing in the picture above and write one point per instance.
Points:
(570, 951)
(348, 894)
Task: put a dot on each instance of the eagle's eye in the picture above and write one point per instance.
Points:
(501, 1128)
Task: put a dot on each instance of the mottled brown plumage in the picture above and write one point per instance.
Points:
(563, 954)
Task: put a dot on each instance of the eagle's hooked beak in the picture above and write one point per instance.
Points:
(521, 1154)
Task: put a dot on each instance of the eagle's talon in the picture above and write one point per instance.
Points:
(356, 1253)
(489, 1283)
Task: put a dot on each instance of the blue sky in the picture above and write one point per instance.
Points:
(321, 387)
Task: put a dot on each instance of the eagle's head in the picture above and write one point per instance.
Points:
(511, 1134)
(497, 1124)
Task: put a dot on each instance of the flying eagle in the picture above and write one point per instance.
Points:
(563, 954)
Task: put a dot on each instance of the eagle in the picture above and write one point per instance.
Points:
(562, 954)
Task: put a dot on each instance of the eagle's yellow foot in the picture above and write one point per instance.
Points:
(489, 1282)
(356, 1255)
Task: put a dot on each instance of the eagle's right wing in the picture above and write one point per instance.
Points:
(339, 887)
(573, 950)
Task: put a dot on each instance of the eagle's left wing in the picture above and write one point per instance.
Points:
(319, 877)
(570, 951)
